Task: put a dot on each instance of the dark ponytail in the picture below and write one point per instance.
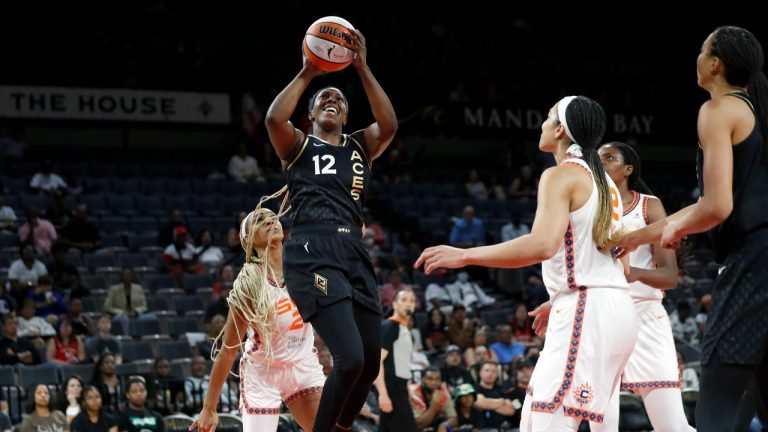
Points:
(586, 122)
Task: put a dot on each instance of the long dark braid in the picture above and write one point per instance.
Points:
(635, 180)
(742, 55)
(586, 122)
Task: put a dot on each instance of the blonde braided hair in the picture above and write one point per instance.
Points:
(248, 297)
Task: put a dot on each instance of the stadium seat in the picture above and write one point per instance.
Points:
(44, 374)
(172, 350)
(136, 350)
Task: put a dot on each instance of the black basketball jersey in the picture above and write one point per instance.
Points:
(327, 183)
(750, 191)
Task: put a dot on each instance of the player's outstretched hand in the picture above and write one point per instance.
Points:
(440, 257)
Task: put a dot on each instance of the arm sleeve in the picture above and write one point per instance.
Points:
(47, 329)
(51, 231)
(450, 408)
(15, 270)
(389, 333)
(231, 169)
(29, 346)
(453, 238)
(141, 301)
(109, 303)
(26, 426)
(7, 356)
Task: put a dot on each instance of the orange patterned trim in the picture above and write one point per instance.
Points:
(645, 210)
(261, 411)
(649, 385)
(635, 200)
(566, 162)
(583, 414)
(303, 393)
(576, 331)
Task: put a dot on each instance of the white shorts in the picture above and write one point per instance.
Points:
(590, 336)
(653, 363)
(263, 389)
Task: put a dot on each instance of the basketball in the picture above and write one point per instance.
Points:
(326, 41)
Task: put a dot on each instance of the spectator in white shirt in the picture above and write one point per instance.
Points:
(683, 325)
(32, 326)
(243, 167)
(207, 254)
(25, 272)
(180, 256)
(47, 181)
(514, 228)
(468, 293)
(437, 295)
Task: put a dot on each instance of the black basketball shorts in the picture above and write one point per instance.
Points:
(326, 264)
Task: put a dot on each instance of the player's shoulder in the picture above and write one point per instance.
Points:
(649, 197)
(568, 170)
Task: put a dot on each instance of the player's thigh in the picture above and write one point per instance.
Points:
(304, 410)
(258, 422)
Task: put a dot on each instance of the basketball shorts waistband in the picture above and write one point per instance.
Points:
(328, 230)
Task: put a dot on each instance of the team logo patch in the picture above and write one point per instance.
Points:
(583, 394)
(321, 283)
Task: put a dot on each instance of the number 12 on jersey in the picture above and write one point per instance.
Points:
(328, 168)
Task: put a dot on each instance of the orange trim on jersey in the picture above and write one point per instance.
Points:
(635, 200)
(649, 385)
(582, 414)
(303, 393)
(583, 168)
(551, 405)
(261, 411)
(645, 210)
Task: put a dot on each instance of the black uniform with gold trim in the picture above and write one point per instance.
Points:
(325, 260)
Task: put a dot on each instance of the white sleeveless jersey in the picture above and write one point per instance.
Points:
(578, 262)
(291, 338)
(636, 217)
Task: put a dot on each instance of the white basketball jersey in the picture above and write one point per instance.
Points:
(292, 339)
(636, 217)
(578, 262)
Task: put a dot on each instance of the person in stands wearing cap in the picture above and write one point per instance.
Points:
(431, 402)
(491, 400)
(395, 370)
(180, 256)
(453, 372)
(468, 418)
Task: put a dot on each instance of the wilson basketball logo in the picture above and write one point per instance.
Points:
(335, 32)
